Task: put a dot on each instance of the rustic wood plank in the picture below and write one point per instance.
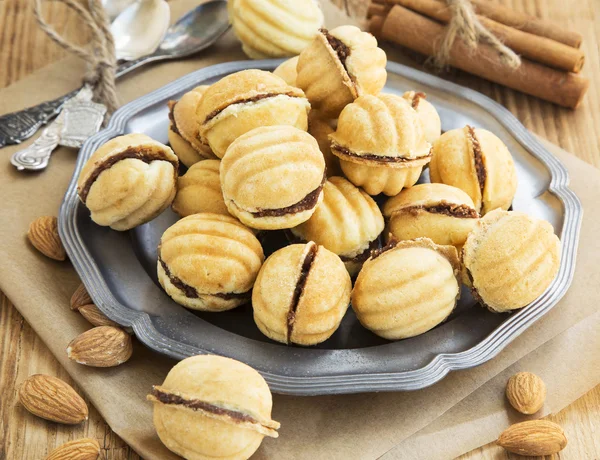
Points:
(24, 48)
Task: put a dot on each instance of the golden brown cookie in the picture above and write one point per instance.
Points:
(301, 294)
(246, 100)
(128, 181)
(347, 223)
(407, 288)
(272, 177)
(443, 213)
(199, 190)
(183, 133)
(381, 144)
(338, 66)
(211, 407)
(287, 71)
(510, 259)
(320, 128)
(427, 113)
(272, 28)
(208, 262)
(477, 162)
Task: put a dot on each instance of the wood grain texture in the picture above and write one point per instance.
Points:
(24, 48)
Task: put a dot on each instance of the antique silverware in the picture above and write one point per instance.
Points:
(79, 119)
(115, 7)
(140, 28)
(196, 30)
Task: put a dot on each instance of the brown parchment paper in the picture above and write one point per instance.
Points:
(348, 426)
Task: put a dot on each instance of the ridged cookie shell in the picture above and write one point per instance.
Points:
(381, 179)
(199, 190)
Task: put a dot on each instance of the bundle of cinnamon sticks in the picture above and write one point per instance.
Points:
(550, 56)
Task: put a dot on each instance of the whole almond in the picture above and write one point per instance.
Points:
(43, 235)
(50, 398)
(93, 314)
(526, 392)
(80, 449)
(80, 298)
(533, 438)
(102, 346)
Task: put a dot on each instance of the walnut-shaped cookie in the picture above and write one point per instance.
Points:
(211, 407)
(287, 71)
(199, 190)
(348, 223)
(301, 294)
(381, 144)
(272, 28)
(246, 100)
(320, 128)
(407, 288)
(479, 163)
(440, 212)
(128, 181)
(183, 133)
(272, 177)
(338, 66)
(510, 259)
(208, 262)
(427, 113)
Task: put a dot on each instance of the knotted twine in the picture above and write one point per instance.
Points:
(101, 53)
(465, 25)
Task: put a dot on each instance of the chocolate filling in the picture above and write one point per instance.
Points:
(448, 209)
(359, 258)
(169, 398)
(191, 292)
(478, 158)
(258, 97)
(474, 292)
(308, 202)
(341, 49)
(391, 245)
(174, 128)
(139, 153)
(306, 266)
(416, 99)
(372, 156)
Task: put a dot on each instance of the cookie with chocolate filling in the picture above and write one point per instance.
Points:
(272, 28)
(208, 262)
(510, 259)
(246, 100)
(272, 177)
(301, 294)
(128, 181)
(347, 222)
(477, 162)
(287, 71)
(199, 190)
(443, 213)
(320, 128)
(427, 113)
(381, 144)
(183, 133)
(213, 407)
(407, 288)
(338, 66)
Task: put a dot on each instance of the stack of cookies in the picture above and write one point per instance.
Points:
(319, 150)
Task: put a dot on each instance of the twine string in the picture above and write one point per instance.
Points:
(101, 53)
(465, 25)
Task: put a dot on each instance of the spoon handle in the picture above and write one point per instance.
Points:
(15, 127)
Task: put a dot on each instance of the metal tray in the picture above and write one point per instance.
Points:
(119, 269)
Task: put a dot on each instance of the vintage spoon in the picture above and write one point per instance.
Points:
(196, 30)
(140, 28)
(115, 7)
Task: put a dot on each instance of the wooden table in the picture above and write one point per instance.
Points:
(23, 49)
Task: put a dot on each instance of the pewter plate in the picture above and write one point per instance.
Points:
(119, 269)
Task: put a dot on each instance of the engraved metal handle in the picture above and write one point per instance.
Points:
(37, 155)
(18, 126)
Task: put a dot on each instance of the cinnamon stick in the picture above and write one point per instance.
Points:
(519, 20)
(534, 47)
(376, 9)
(375, 24)
(421, 34)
